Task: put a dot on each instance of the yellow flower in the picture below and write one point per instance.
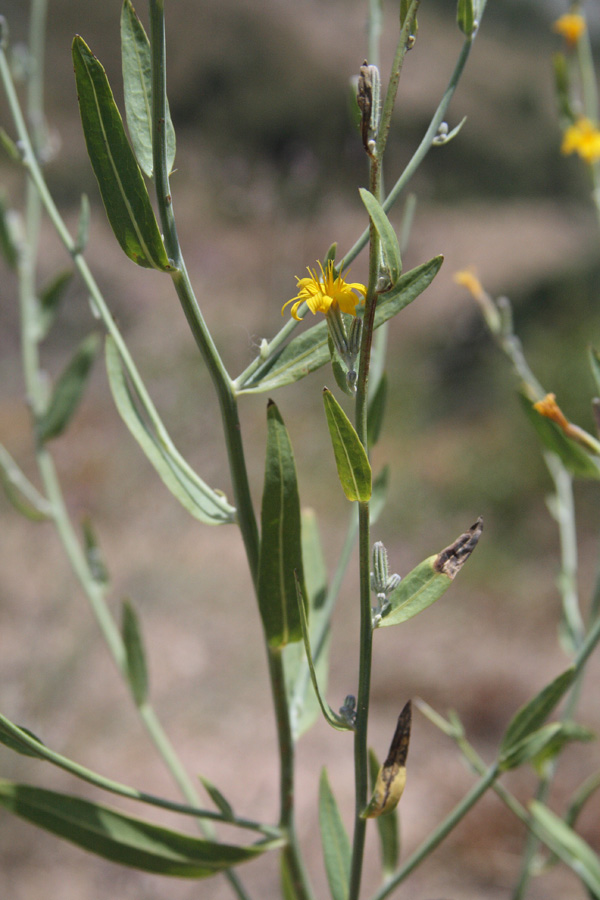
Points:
(571, 26)
(582, 138)
(468, 279)
(549, 408)
(320, 292)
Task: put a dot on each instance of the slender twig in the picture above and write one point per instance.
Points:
(440, 833)
(233, 436)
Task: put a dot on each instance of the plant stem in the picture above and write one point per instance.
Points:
(425, 145)
(233, 436)
(390, 97)
(361, 763)
(441, 832)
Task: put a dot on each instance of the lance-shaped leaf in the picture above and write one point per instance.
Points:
(340, 723)
(534, 713)
(391, 778)
(567, 845)
(8, 241)
(334, 838)
(23, 741)
(20, 491)
(309, 351)
(541, 744)
(387, 826)
(121, 838)
(68, 390)
(197, 497)
(50, 299)
(376, 411)
(136, 61)
(430, 579)
(302, 700)
(465, 17)
(389, 242)
(353, 467)
(578, 462)
(135, 655)
(281, 538)
(93, 554)
(119, 177)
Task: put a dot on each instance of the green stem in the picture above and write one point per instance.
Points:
(390, 97)
(361, 759)
(37, 194)
(425, 145)
(441, 832)
(229, 414)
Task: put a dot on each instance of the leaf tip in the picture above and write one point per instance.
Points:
(451, 560)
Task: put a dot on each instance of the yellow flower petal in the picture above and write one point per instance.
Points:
(319, 291)
(571, 26)
(467, 278)
(549, 408)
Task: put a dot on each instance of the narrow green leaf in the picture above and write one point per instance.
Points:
(331, 253)
(379, 495)
(465, 17)
(197, 497)
(23, 741)
(578, 462)
(119, 177)
(8, 244)
(594, 358)
(309, 351)
(25, 745)
(389, 242)
(567, 845)
(387, 826)
(10, 148)
(135, 655)
(584, 792)
(20, 492)
(535, 712)
(376, 411)
(335, 841)
(281, 542)
(338, 722)
(136, 60)
(430, 579)
(217, 798)
(68, 390)
(50, 299)
(530, 746)
(302, 701)
(93, 554)
(121, 838)
(567, 733)
(83, 226)
(353, 467)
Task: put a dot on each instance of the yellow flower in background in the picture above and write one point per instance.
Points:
(320, 292)
(468, 279)
(571, 26)
(549, 408)
(582, 138)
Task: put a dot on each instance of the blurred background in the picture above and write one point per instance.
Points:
(268, 165)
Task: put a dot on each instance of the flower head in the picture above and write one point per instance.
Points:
(319, 292)
(583, 138)
(468, 279)
(549, 408)
(571, 26)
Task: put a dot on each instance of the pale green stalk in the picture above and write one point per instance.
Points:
(233, 437)
(440, 833)
(425, 145)
(37, 194)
